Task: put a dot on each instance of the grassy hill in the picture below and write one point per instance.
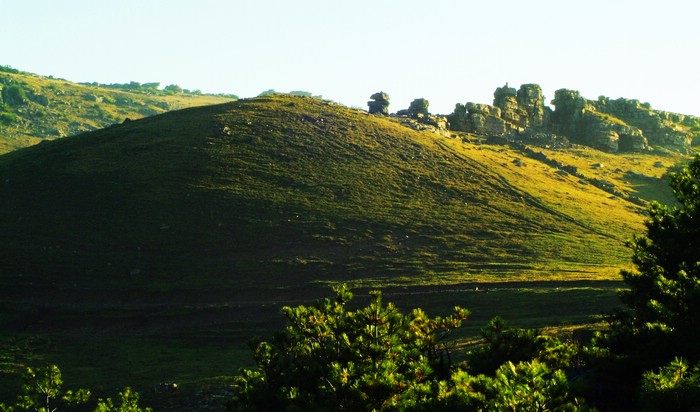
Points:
(50, 108)
(159, 246)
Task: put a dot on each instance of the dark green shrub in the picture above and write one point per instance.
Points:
(8, 69)
(14, 95)
(8, 118)
(172, 89)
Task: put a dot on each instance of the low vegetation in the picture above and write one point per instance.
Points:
(42, 391)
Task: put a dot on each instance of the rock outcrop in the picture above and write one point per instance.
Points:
(620, 125)
(379, 103)
(578, 119)
(418, 107)
(418, 117)
(521, 115)
(513, 111)
(671, 130)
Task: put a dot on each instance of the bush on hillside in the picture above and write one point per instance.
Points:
(8, 118)
(8, 69)
(172, 89)
(14, 95)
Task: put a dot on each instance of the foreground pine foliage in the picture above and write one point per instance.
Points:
(377, 358)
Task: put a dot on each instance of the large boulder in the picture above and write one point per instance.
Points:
(418, 106)
(379, 103)
(605, 140)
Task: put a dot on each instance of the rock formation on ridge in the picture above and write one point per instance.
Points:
(379, 103)
(609, 125)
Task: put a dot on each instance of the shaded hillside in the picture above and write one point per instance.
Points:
(294, 190)
(36, 108)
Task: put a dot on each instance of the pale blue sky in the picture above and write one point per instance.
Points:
(445, 51)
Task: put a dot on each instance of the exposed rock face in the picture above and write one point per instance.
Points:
(671, 130)
(484, 109)
(579, 119)
(379, 103)
(486, 120)
(531, 100)
(505, 98)
(459, 120)
(632, 142)
(512, 112)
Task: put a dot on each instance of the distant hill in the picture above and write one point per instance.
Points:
(35, 108)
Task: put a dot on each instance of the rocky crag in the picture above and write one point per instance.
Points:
(619, 125)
